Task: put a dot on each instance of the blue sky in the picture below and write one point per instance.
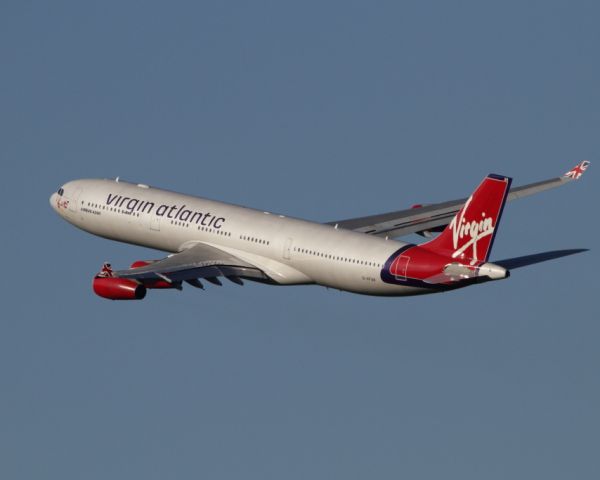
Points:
(322, 110)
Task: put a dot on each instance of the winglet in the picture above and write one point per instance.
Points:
(577, 170)
(106, 271)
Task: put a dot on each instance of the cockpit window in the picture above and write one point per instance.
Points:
(60, 192)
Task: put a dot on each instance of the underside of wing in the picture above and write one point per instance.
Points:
(526, 260)
(427, 218)
(199, 261)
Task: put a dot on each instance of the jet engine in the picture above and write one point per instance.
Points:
(115, 288)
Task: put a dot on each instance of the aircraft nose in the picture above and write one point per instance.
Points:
(53, 201)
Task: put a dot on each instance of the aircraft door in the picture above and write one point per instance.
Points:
(149, 221)
(155, 223)
(287, 249)
(400, 267)
(74, 201)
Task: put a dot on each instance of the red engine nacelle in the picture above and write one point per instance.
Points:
(151, 283)
(115, 288)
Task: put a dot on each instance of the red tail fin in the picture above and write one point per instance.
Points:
(470, 234)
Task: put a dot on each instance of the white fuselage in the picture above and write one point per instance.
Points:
(290, 251)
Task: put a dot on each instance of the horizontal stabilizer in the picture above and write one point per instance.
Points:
(517, 262)
(456, 272)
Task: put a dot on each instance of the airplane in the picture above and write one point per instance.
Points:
(210, 240)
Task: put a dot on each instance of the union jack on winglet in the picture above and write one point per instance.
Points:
(577, 171)
(106, 271)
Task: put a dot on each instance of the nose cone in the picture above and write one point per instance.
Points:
(53, 201)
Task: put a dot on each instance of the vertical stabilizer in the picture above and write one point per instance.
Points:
(470, 235)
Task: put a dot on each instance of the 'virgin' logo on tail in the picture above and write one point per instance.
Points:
(474, 230)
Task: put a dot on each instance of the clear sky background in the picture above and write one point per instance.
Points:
(322, 110)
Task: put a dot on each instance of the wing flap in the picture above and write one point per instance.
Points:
(199, 261)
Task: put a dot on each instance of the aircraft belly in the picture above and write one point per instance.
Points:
(356, 280)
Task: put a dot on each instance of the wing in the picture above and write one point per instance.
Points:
(199, 261)
(427, 218)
